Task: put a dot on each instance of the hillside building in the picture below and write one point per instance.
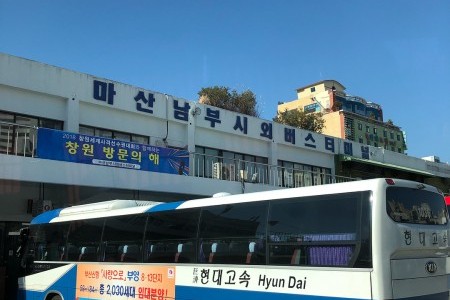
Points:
(348, 117)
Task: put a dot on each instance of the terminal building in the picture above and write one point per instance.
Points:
(69, 138)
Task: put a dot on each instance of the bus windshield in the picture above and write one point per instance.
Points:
(414, 206)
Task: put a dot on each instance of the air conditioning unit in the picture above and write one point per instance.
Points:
(217, 170)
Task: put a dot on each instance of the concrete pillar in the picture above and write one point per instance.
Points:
(72, 121)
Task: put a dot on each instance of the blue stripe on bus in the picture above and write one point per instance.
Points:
(165, 206)
(46, 217)
(187, 292)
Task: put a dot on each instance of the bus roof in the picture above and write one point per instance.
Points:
(128, 207)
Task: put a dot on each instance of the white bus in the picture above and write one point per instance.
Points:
(371, 239)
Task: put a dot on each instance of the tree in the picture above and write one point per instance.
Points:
(220, 96)
(298, 118)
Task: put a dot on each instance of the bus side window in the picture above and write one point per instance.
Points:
(256, 254)
(317, 231)
(229, 229)
(111, 253)
(122, 238)
(131, 253)
(72, 253)
(170, 236)
(88, 253)
(54, 248)
(238, 251)
(41, 252)
(185, 253)
(219, 253)
(84, 236)
(156, 252)
(204, 251)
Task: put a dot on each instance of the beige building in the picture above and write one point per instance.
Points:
(348, 117)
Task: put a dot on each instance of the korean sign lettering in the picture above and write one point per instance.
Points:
(348, 148)
(289, 135)
(266, 130)
(72, 147)
(104, 91)
(423, 238)
(310, 141)
(146, 102)
(213, 116)
(246, 278)
(181, 112)
(241, 124)
(235, 282)
(95, 281)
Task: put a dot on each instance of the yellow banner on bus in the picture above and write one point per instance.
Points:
(95, 281)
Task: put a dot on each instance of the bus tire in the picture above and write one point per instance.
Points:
(56, 297)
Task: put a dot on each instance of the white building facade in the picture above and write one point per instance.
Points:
(79, 103)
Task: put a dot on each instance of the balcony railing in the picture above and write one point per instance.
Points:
(221, 168)
(17, 139)
(21, 140)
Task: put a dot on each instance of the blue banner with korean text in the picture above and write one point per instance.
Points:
(80, 148)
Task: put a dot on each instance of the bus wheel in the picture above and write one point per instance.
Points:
(56, 297)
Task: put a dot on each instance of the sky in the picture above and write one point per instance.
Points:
(395, 53)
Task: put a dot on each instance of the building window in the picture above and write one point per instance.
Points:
(30, 120)
(385, 133)
(361, 140)
(140, 139)
(398, 137)
(375, 130)
(313, 89)
(21, 139)
(367, 129)
(375, 144)
(111, 134)
(360, 126)
(392, 135)
(226, 165)
(292, 174)
(104, 133)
